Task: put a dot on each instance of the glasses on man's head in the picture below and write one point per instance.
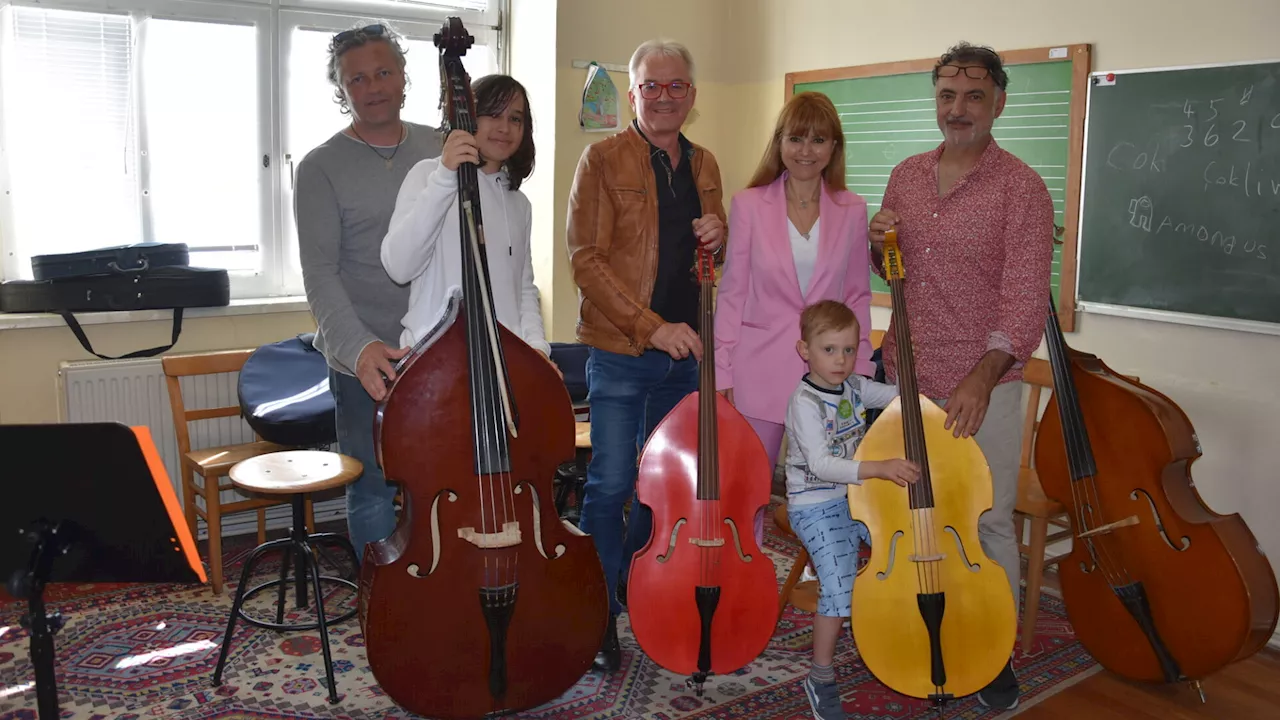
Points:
(345, 35)
(675, 90)
(973, 71)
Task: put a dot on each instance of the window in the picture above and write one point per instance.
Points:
(180, 122)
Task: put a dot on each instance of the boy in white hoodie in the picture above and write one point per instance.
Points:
(423, 246)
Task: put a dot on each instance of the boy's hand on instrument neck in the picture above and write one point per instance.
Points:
(967, 406)
(895, 470)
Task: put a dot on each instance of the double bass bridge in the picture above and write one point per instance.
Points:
(508, 536)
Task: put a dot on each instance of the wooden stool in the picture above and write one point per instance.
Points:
(803, 595)
(294, 473)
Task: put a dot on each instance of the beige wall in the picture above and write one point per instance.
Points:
(29, 358)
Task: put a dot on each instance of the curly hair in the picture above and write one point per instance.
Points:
(979, 54)
(356, 37)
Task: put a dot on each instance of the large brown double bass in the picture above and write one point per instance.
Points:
(1158, 587)
(481, 601)
(702, 596)
(933, 616)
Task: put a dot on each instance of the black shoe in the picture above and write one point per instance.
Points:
(1002, 693)
(609, 659)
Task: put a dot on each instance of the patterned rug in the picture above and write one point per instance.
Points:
(130, 652)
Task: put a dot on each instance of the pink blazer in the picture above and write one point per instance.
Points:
(759, 301)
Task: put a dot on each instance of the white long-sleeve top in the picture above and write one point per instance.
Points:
(824, 428)
(423, 247)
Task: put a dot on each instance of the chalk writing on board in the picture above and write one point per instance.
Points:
(1125, 155)
(1247, 180)
(1141, 212)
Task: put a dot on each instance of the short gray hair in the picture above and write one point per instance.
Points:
(355, 37)
(669, 48)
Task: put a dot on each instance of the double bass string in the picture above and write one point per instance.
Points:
(921, 501)
(708, 452)
(488, 427)
(1084, 491)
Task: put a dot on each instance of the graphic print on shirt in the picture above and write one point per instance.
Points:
(844, 421)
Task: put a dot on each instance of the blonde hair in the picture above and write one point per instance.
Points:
(807, 113)
(826, 316)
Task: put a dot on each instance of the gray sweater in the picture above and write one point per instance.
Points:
(343, 199)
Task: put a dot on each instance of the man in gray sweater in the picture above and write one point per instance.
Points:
(344, 195)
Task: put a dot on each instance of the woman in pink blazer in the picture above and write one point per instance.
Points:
(796, 236)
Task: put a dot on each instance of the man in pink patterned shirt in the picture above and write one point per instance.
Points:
(975, 225)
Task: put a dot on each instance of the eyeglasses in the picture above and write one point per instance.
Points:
(675, 90)
(972, 71)
(345, 35)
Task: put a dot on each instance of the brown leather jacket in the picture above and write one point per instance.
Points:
(613, 238)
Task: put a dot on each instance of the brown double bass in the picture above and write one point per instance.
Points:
(481, 601)
(702, 596)
(1158, 587)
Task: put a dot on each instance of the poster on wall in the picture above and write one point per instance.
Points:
(599, 102)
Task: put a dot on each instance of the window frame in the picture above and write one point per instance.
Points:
(274, 21)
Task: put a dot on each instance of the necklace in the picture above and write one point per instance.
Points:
(404, 132)
(804, 204)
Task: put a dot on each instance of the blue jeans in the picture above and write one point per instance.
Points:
(371, 513)
(629, 396)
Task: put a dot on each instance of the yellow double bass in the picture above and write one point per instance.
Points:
(933, 616)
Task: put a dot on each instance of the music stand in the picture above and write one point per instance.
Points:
(92, 503)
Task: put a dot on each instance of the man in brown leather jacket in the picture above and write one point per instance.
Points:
(642, 201)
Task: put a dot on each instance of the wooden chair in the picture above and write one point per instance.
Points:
(1033, 507)
(203, 469)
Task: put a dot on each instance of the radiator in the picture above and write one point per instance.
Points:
(134, 392)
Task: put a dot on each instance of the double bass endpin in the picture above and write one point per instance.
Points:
(1195, 685)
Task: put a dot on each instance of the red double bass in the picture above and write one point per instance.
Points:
(702, 596)
(481, 601)
(1158, 587)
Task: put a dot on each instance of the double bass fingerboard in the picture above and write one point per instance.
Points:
(708, 439)
(921, 491)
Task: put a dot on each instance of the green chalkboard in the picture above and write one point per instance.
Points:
(888, 115)
(1182, 191)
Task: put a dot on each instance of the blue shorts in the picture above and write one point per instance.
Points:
(833, 538)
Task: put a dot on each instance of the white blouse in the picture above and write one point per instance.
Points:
(805, 253)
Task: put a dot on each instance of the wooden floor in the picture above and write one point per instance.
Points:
(1248, 689)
